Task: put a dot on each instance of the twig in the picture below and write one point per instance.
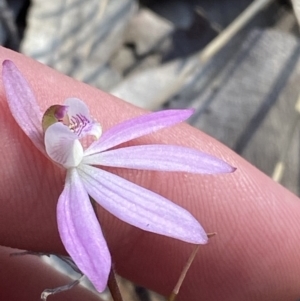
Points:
(30, 253)
(53, 291)
(66, 259)
(211, 49)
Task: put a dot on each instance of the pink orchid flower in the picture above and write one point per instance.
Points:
(78, 226)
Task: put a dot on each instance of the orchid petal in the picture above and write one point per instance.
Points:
(81, 233)
(79, 114)
(63, 146)
(22, 104)
(140, 207)
(137, 127)
(161, 158)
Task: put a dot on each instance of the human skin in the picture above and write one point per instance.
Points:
(255, 255)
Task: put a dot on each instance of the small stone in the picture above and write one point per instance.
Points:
(147, 31)
(123, 59)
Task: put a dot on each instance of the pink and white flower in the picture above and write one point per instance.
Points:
(78, 226)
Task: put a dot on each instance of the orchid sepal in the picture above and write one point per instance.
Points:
(160, 157)
(140, 207)
(83, 240)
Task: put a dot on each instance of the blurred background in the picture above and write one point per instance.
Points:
(235, 61)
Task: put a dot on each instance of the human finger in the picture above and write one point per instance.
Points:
(253, 215)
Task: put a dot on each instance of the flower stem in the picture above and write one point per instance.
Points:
(114, 287)
(183, 275)
(185, 270)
